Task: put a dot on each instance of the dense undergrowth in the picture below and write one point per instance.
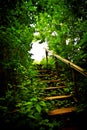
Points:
(65, 32)
(21, 106)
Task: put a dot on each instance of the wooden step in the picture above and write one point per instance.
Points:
(57, 97)
(41, 75)
(62, 111)
(51, 88)
(50, 80)
(44, 75)
(42, 70)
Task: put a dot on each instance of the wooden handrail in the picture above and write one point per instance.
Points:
(72, 65)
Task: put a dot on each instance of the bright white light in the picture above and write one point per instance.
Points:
(67, 41)
(38, 51)
(54, 33)
(36, 33)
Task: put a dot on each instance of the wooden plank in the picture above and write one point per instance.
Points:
(44, 75)
(72, 65)
(41, 75)
(42, 70)
(57, 97)
(61, 111)
(51, 88)
(50, 80)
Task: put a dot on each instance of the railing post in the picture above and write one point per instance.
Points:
(46, 52)
(74, 81)
(57, 67)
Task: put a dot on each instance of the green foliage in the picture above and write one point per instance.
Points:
(61, 24)
(48, 65)
(56, 21)
(24, 99)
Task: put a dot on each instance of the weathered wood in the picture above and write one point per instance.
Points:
(61, 111)
(50, 80)
(41, 75)
(57, 67)
(57, 97)
(51, 88)
(42, 70)
(44, 75)
(72, 65)
(46, 58)
(74, 81)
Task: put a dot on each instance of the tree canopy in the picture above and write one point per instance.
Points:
(61, 23)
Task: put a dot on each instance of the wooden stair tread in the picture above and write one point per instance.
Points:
(62, 111)
(41, 75)
(42, 70)
(51, 88)
(57, 97)
(50, 80)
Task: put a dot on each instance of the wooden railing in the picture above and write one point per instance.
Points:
(72, 65)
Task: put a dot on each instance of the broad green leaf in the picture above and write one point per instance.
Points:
(42, 103)
(38, 108)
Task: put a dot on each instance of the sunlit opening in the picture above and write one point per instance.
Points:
(38, 51)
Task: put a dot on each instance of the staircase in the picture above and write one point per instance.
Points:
(56, 91)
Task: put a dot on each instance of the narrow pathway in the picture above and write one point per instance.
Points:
(57, 91)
